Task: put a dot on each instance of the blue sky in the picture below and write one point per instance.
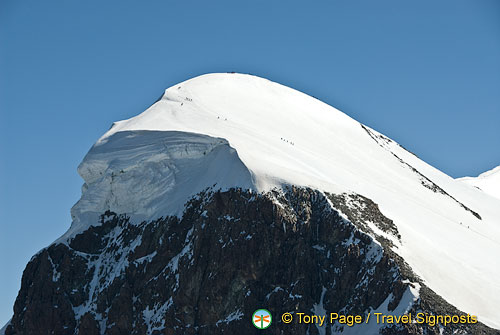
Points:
(425, 73)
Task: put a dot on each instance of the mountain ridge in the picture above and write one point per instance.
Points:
(488, 182)
(230, 132)
(285, 137)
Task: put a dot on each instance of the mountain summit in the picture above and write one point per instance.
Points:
(488, 182)
(223, 165)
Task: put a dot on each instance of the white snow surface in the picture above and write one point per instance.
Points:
(488, 182)
(234, 130)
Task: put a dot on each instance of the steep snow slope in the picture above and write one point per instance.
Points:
(232, 130)
(488, 182)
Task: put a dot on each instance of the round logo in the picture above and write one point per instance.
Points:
(262, 319)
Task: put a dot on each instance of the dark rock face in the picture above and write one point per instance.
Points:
(230, 254)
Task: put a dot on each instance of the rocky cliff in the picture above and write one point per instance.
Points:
(230, 253)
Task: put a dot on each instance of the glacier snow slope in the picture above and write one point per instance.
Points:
(488, 182)
(234, 130)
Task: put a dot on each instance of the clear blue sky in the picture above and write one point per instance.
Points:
(425, 73)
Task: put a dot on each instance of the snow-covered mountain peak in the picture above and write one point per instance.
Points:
(234, 130)
(488, 182)
(273, 127)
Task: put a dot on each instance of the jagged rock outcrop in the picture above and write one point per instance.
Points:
(231, 253)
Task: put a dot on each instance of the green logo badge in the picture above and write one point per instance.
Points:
(262, 319)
